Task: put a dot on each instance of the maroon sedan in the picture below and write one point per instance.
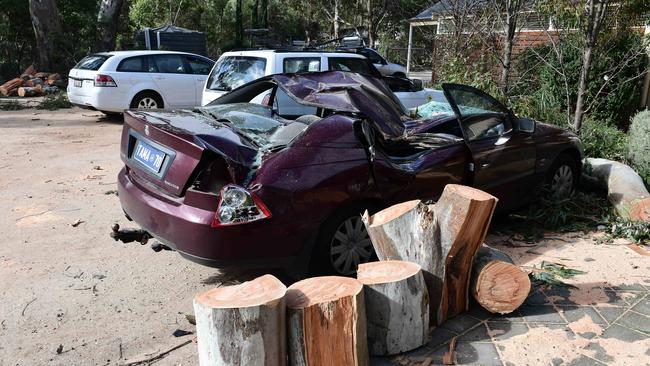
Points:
(243, 183)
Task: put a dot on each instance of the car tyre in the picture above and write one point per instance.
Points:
(147, 100)
(111, 114)
(343, 243)
(562, 178)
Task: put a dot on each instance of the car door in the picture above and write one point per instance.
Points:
(174, 82)
(200, 68)
(503, 158)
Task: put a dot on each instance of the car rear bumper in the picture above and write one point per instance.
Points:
(188, 230)
(102, 99)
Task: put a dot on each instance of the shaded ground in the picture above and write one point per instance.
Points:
(72, 296)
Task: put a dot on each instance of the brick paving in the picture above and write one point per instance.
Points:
(479, 335)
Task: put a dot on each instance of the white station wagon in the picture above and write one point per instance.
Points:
(114, 81)
(236, 68)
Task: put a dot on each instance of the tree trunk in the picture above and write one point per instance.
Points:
(371, 36)
(337, 17)
(239, 23)
(397, 306)
(497, 284)
(264, 13)
(625, 188)
(442, 238)
(47, 30)
(509, 37)
(582, 88)
(254, 14)
(107, 21)
(243, 324)
(327, 322)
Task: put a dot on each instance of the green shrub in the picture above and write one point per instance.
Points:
(639, 144)
(55, 101)
(601, 140)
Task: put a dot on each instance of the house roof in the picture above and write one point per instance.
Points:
(443, 7)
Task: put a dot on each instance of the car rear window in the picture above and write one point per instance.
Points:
(132, 64)
(357, 65)
(233, 71)
(92, 62)
(301, 64)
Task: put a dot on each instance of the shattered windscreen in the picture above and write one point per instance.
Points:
(435, 109)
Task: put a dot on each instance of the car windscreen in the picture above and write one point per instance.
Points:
(233, 71)
(92, 62)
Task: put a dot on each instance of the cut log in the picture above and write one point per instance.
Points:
(442, 238)
(41, 75)
(497, 284)
(625, 188)
(52, 79)
(27, 74)
(397, 306)
(327, 322)
(30, 92)
(243, 324)
(6, 88)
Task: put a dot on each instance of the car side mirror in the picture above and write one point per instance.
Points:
(526, 125)
(417, 83)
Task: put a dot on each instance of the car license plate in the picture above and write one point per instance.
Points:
(149, 156)
(78, 83)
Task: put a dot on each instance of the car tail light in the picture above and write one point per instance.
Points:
(104, 80)
(238, 206)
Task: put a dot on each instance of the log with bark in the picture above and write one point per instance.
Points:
(27, 74)
(497, 284)
(397, 306)
(442, 238)
(243, 324)
(327, 322)
(30, 92)
(625, 188)
(6, 88)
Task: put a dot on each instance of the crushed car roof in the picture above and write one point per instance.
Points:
(347, 92)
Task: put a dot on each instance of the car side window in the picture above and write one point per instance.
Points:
(357, 65)
(199, 66)
(169, 64)
(374, 57)
(132, 64)
(301, 64)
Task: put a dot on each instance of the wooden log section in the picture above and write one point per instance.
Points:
(6, 88)
(327, 322)
(625, 188)
(397, 306)
(497, 284)
(243, 324)
(30, 92)
(442, 238)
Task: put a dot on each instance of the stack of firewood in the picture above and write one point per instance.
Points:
(32, 83)
(431, 260)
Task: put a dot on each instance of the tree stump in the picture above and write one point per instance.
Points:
(497, 284)
(243, 324)
(442, 238)
(327, 322)
(397, 306)
(625, 188)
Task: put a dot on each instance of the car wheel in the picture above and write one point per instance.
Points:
(563, 177)
(147, 100)
(342, 245)
(111, 114)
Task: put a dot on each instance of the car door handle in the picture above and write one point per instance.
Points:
(160, 77)
(200, 80)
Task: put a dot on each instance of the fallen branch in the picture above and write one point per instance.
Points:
(26, 305)
(157, 356)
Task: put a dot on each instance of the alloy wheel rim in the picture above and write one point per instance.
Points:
(147, 103)
(562, 182)
(350, 246)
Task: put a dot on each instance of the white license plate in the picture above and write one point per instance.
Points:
(78, 83)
